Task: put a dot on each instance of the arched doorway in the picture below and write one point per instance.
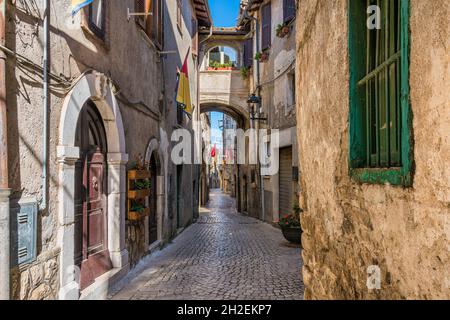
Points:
(91, 242)
(91, 145)
(153, 201)
(156, 200)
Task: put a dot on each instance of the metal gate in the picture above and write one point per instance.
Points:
(285, 190)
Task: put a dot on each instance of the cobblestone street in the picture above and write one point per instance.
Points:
(224, 255)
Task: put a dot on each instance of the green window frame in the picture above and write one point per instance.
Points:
(380, 115)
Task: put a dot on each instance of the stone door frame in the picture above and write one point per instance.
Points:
(96, 87)
(154, 148)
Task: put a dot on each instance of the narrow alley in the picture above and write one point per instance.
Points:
(224, 255)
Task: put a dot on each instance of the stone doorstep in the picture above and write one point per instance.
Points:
(99, 290)
(155, 246)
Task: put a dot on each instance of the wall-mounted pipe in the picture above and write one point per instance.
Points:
(45, 106)
(4, 185)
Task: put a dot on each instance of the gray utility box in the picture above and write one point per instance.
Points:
(23, 231)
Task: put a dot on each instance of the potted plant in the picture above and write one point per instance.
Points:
(262, 56)
(245, 72)
(290, 225)
(282, 30)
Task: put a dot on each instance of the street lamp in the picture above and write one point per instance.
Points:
(254, 100)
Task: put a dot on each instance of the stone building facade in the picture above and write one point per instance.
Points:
(379, 232)
(274, 85)
(113, 72)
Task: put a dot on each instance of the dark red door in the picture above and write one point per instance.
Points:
(91, 250)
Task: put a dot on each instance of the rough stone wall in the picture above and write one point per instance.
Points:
(73, 51)
(349, 226)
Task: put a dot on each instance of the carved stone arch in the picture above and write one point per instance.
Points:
(235, 45)
(95, 87)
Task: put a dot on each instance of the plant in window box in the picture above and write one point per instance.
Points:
(245, 72)
(262, 56)
(282, 30)
(290, 225)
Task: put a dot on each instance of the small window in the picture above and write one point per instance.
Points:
(266, 22)
(194, 25)
(288, 10)
(151, 19)
(97, 18)
(180, 16)
(248, 53)
(155, 25)
(379, 93)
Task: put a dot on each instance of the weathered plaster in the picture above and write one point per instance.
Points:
(349, 226)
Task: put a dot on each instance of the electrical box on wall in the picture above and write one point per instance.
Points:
(23, 231)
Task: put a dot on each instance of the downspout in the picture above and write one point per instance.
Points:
(45, 94)
(4, 186)
(258, 107)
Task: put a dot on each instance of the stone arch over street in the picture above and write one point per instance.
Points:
(94, 87)
(237, 112)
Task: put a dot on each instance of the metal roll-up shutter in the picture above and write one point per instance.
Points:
(285, 191)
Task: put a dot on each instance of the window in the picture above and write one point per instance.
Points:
(194, 24)
(156, 22)
(266, 21)
(248, 53)
(141, 6)
(151, 24)
(97, 18)
(380, 121)
(180, 116)
(288, 10)
(180, 16)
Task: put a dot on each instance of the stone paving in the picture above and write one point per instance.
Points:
(225, 255)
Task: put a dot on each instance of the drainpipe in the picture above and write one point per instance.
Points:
(258, 107)
(4, 187)
(45, 94)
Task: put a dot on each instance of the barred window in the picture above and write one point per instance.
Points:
(379, 90)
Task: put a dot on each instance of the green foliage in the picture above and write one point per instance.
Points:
(262, 56)
(137, 207)
(245, 72)
(142, 184)
(217, 65)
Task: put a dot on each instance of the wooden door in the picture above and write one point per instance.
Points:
(91, 251)
(152, 219)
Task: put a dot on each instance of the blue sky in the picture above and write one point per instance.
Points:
(224, 12)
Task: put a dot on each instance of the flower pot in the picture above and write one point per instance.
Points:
(292, 234)
(285, 31)
(264, 57)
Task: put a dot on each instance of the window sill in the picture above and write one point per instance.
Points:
(393, 176)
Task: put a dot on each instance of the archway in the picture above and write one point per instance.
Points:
(154, 223)
(222, 57)
(94, 87)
